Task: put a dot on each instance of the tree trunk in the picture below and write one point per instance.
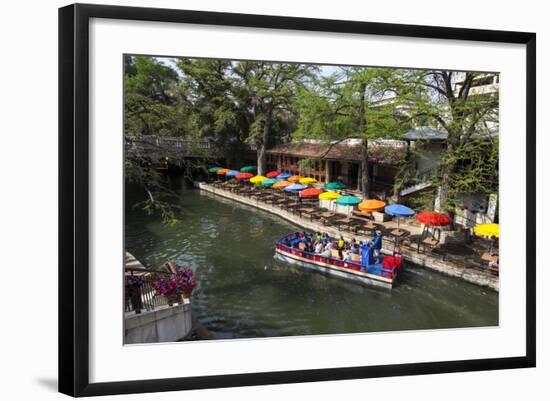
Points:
(365, 179)
(445, 184)
(444, 187)
(261, 152)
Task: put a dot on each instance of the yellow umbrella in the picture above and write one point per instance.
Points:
(489, 230)
(223, 171)
(329, 195)
(307, 180)
(257, 178)
(371, 205)
(294, 178)
(281, 184)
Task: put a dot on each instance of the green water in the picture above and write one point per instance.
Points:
(244, 292)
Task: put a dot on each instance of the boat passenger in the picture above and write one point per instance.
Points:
(347, 256)
(398, 253)
(341, 243)
(318, 236)
(319, 247)
(377, 243)
(326, 253)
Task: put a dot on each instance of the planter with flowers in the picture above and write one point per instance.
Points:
(132, 286)
(175, 285)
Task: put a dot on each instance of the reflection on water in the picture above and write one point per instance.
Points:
(243, 291)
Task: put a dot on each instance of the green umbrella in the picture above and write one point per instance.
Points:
(214, 169)
(335, 185)
(348, 200)
(269, 182)
(248, 169)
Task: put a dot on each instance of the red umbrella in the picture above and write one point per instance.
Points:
(244, 176)
(433, 219)
(273, 174)
(310, 193)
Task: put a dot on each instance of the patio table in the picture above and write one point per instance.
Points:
(398, 233)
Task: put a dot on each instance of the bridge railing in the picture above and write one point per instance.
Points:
(151, 142)
(145, 297)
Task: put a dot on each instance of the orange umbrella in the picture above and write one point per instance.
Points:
(371, 205)
(223, 171)
(310, 193)
(281, 184)
(295, 178)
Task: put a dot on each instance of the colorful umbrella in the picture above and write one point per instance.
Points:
(248, 169)
(329, 195)
(244, 176)
(310, 193)
(214, 169)
(231, 173)
(269, 182)
(348, 200)
(273, 174)
(371, 205)
(281, 184)
(435, 219)
(491, 230)
(295, 178)
(488, 230)
(257, 178)
(295, 188)
(223, 171)
(283, 176)
(307, 180)
(398, 211)
(335, 185)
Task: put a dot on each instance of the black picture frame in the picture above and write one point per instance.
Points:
(74, 198)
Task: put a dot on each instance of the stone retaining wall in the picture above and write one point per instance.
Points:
(164, 324)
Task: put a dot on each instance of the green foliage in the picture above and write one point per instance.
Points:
(422, 200)
(329, 108)
(235, 104)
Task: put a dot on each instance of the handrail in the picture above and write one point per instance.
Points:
(141, 269)
(146, 296)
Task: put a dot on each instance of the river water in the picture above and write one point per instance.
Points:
(244, 292)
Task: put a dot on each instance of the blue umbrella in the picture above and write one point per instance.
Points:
(295, 187)
(231, 173)
(398, 211)
(283, 176)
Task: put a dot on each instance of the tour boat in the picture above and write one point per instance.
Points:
(380, 272)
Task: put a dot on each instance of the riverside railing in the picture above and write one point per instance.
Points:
(145, 297)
